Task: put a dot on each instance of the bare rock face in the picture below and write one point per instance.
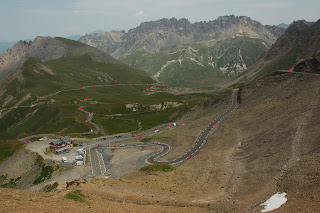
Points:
(154, 35)
(134, 107)
(311, 65)
(47, 48)
(288, 39)
(42, 48)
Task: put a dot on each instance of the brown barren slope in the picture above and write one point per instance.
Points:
(269, 144)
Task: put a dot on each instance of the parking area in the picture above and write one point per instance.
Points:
(41, 147)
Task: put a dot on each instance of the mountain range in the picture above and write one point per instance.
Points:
(269, 144)
(180, 53)
(299, 44)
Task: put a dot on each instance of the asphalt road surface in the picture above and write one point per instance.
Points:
(96, 158)
(90, 116)
(202, 139)
(166, 148)
(97, 164)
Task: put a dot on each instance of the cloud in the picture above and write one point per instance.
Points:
(140, 14)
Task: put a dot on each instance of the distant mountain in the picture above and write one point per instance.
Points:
(74, 37)
(96, 31)
(309, 23)
(285, 26)
(4, 46)
(297, 49)
(180, 53)
(29, 71)
(45, 49)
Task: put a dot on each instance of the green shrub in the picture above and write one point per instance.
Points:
(76, 196)
(45, 174)
(157, 168)
(8, 148)
(52, 187)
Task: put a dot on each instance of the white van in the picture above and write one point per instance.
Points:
(79, 157)
(174, 124)
(64, 159)
(156, 131)
(79, 163)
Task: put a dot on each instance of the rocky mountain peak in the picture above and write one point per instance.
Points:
(296, 28)
(295, 32)
(162, 24)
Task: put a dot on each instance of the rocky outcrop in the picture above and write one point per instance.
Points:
(153, 107)
(42, 48)
(134, 107)
(311, 65)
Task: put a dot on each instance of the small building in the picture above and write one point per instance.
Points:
(66, 139)
(57, 143)
(60, 150)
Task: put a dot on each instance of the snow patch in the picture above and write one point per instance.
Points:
(190, 48)
(240, 55)
(211, 64)
(265, 44)
(274, 202)
(174, 52)
(163, 67)
(197, 62)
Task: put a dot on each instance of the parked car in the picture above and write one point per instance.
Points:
(64, 159)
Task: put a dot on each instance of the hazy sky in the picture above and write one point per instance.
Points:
(22, 19)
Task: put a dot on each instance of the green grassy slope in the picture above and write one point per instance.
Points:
(198, 64)
(41, 114)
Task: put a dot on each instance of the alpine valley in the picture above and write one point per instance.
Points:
(181, 54)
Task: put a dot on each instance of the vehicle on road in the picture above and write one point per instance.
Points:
(118, 136)
(174, 124)
(156, 131)
(122, 145)
(64, 159)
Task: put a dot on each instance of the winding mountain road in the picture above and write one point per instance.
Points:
(97, 130)
(202, 139)
(97, 163)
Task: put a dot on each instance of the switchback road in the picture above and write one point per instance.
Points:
(202, 139)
